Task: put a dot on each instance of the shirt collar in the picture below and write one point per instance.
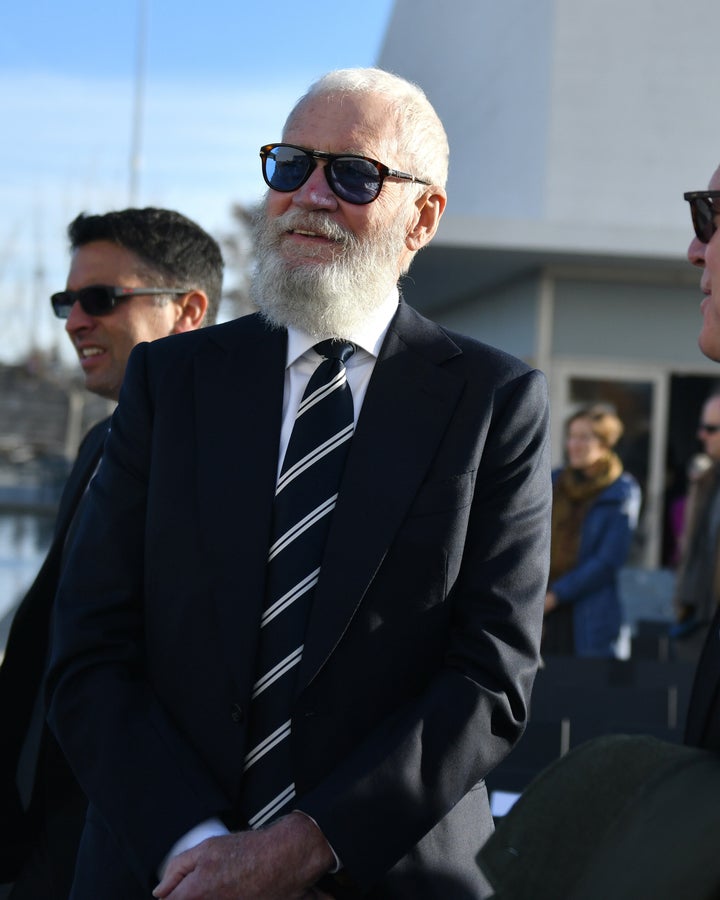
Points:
(369, 336)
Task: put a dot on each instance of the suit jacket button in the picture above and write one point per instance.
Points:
(237, 714)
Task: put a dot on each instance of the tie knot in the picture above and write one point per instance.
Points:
(334, 349)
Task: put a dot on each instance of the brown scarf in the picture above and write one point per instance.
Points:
(573, 495)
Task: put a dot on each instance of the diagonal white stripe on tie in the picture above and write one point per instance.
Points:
(292, 659)
(327, 506)
(320, 394)
(270, 741)
(298, 590)
(275, 805)
(317, 454)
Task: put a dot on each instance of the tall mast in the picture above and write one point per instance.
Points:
(136, 141)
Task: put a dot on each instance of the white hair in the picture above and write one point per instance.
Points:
(422, 143)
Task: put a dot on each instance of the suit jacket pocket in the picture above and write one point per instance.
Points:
(444, 495)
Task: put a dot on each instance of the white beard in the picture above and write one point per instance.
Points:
(324, 299)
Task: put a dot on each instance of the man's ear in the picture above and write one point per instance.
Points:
(193, 307)
(429, 208)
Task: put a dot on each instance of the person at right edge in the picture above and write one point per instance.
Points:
(702, 726)
(595, 512)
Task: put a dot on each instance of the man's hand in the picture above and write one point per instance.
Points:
(281, 862)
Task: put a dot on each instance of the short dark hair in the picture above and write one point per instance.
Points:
(176, 251)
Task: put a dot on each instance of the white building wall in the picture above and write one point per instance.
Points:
(506, 318)
(486, 66)
(627, 321)
(625, 108)
(567, 116)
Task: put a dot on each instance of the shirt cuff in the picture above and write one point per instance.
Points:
(207, 829)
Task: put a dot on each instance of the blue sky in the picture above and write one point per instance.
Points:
(219, 79)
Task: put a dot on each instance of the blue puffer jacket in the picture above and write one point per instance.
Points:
(592, 586)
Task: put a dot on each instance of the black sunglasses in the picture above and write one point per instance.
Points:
(709, 429)
(101, 299)
(703, 213)
(356, 179)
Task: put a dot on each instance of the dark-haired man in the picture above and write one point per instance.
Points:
(135, 275)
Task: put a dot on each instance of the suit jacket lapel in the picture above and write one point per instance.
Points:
(409, 403)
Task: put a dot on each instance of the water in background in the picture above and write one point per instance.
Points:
(24, 540)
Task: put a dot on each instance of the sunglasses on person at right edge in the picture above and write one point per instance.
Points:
(703, 212)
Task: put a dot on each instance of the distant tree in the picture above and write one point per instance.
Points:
(239, 255)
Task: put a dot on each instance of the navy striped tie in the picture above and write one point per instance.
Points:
(304, 501)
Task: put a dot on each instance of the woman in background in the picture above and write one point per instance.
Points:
(595, 513)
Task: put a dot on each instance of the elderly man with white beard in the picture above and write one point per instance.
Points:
(324, 531)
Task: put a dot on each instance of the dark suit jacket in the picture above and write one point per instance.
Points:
(423, 640)
(702, 727)
(56, 798)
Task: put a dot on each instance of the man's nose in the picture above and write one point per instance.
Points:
(696, 252)
(316, 193)
(78, 319)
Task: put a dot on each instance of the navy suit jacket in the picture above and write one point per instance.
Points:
(423, 639)
(57, 803)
